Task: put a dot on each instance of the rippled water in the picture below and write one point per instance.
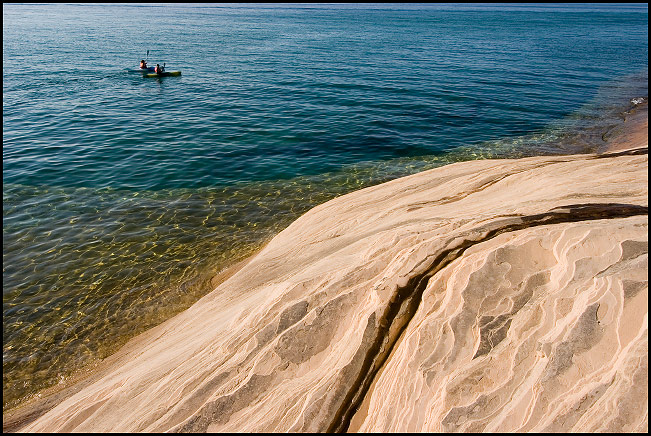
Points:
(123, 196)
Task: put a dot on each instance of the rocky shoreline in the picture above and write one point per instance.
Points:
(490, 295)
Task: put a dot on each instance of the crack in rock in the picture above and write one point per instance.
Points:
(406, 299)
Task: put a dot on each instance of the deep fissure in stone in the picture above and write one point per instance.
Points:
(406, 300)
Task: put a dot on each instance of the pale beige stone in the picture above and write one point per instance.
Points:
(515, 293)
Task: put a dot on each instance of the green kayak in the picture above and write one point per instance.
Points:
(165, 74)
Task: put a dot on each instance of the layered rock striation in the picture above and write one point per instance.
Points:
(493, 295)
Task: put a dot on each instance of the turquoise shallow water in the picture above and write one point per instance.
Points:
(123, 196)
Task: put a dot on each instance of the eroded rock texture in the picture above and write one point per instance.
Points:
(544, 329)
(505, 295)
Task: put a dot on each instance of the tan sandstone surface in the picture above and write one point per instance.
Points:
(491, 295)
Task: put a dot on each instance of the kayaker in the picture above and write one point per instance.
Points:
(158, 69)
(143, 64)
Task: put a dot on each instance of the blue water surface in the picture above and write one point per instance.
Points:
(276, 92)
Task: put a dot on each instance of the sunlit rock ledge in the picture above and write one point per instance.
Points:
(492, 295)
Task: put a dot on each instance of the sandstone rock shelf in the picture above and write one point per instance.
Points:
(493, 295)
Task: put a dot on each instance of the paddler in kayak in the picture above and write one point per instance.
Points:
(159, 69)
(143, 64)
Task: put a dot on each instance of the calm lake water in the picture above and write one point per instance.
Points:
(124, 195)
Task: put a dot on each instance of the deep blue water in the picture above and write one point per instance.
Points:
(123, 195)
